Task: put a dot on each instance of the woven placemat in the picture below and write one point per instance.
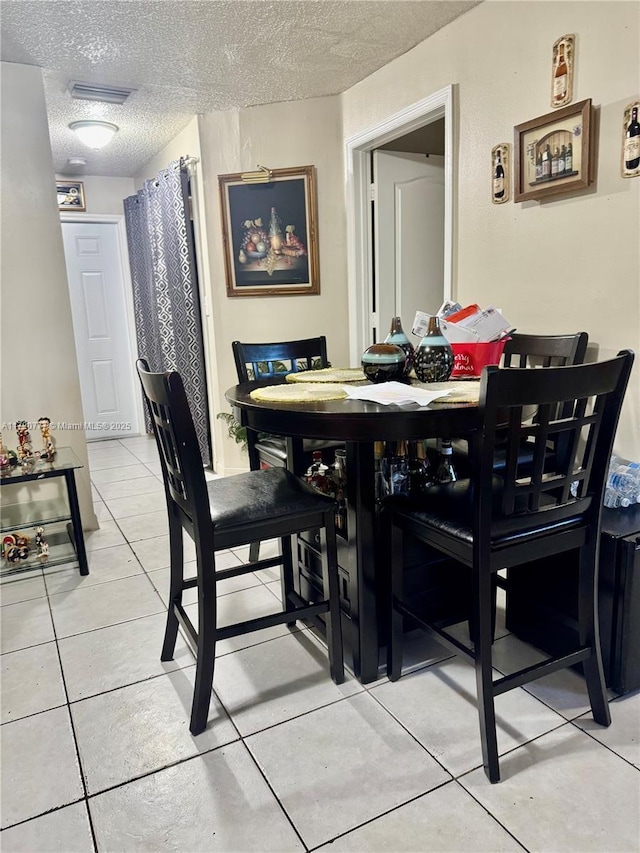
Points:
(467, 391)
(299, 392)
(328, 374)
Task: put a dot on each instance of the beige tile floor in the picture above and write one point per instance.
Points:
(97, 754)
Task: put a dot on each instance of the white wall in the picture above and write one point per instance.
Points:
(563, 265)
(39, 368)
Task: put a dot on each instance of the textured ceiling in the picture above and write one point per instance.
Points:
(187, 57)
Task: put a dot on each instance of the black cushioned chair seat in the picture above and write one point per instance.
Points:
(245, 500)
(448, 509)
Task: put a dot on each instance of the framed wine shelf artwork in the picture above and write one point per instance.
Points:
(562, 61)
(501, 173)
(630, 158)
(552, 153)
(70, 195)
(270, 233)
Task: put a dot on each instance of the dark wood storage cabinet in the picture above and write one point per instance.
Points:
(441, 585)
(541, 600)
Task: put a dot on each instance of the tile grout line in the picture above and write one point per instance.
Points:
(73, 728)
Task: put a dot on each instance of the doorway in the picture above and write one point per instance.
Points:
(97, 276)
(365, 317)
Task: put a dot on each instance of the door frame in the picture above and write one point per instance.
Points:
(123, 259)
(358, 150)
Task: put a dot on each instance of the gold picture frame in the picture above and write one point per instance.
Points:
(501, 173)
(70, 195)
(562, 63)
(270, 233)
(552, 153)
(630, 159)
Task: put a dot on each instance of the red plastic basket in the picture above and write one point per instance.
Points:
(469, 359)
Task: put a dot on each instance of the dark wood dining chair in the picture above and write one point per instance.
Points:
(270, 361)
(496, 522)
(529, 351)
(227, 513)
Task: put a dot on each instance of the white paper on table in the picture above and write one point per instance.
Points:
(394, 393)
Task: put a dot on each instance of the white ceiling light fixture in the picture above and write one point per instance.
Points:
(95, 134)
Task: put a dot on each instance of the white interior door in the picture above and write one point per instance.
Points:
(409, 228)
(100, 325)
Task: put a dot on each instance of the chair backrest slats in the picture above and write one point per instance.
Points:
(268, 360)
(579, 406)
(180, 459)
(545, 350)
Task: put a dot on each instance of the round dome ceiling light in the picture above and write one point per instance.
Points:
(95, 134)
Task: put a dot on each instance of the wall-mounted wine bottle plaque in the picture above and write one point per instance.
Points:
(630, 163)
(501, 173)
(563, 58)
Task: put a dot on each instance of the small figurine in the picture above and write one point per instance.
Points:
(15, 547)
(25, 451)
(42, 545)
(5, 461)
(49, 445)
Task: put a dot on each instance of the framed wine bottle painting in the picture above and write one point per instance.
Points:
(501, 173)
(552, 153)
(270, 233)
(562, 61)
(630, 159)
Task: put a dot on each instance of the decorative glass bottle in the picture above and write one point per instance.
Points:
(384, 363)
(433, 361)
(397, 336)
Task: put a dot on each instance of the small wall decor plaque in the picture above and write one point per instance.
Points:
(552, 153)
(562, 71)
(70, 195)
(630, 162)
(501, 173)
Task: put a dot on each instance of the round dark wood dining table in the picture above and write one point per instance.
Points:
(359, 424)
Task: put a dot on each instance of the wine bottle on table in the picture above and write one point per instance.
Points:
(339, 476)
(399, 470)
(445, 472)
(560, 77)
(419, 471)
(379, 473)
(632, 143)
(498, 178)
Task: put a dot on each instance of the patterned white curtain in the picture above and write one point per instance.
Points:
(165, 289)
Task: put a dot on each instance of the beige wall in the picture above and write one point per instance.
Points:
(554, 267)
(559, 266)
(39, 368)
(185, 144)
(104, 195)
(299, 133)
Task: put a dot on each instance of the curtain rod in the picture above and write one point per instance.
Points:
(187, 161)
